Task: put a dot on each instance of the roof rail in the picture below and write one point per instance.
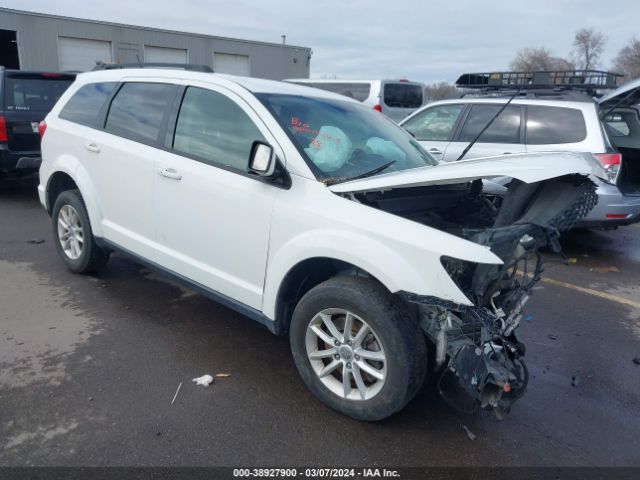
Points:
(585, 80)
(180, 66)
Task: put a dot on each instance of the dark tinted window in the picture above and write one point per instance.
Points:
(138, 109)
(504, 129)
(551, 125)
(402, 95)
(359, 91)
(212, 127)
(83, 107)
(434, 124)
(33, 93)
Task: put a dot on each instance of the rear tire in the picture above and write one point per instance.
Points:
(384, 368)
(73, 236)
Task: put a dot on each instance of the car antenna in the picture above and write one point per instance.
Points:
(489, 123)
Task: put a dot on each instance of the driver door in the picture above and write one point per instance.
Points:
(212, 217)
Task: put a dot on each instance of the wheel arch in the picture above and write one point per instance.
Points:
(73, 177)
(305, 275)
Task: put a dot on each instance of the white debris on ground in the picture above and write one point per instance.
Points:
(222, 375)
(204, 380)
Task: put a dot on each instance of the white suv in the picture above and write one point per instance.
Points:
(317, 217)
(537, 121)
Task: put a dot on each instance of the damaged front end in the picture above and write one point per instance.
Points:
(477, 350)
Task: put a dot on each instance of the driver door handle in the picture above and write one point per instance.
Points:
(435, 151)
(169, 173)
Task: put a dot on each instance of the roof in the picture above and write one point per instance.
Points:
(254, 85)
(153, 29)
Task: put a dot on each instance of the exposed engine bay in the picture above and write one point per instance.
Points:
(479, 356)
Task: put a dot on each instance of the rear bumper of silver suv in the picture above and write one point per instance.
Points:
(614, 209)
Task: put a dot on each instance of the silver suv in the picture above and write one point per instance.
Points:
(552, 119)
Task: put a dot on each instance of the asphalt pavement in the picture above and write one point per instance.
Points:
(89, 366)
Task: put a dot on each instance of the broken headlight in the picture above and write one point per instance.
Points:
(461, 272)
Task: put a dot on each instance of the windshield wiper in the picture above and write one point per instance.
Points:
(464, 152)
(334, 180)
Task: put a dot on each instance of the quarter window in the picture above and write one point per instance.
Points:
(504, 129)
(138, 109)
(213, 128)
(85, 105)
(617, 126)
(434, 124)
(553, 125)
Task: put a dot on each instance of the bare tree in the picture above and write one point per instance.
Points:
(627, 61)
(441, 91)
(588, 45)
(532, 59)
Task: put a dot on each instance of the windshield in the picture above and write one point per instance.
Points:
(341, 140)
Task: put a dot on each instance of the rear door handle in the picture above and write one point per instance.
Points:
(92, 147)
(435, 151)
(169, 173)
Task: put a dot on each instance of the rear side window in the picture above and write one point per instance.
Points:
(213, 128)
(504, 129)
(33, 93)
(402, 95)
(138, 110)
(434, 124)
(553, 125)
(85, 105)
(359, 91)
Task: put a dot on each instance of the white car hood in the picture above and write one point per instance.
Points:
(527, 167)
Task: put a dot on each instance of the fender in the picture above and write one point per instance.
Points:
(72, 167)
(393, 270)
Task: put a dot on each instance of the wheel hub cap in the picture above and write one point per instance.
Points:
(70, 232)
(346, 354)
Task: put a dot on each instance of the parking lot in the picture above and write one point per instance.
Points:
(89, 367)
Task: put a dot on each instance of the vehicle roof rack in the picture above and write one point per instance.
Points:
(180, 66)
(588, 81)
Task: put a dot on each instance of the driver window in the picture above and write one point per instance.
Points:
(434, 124)
(213, 128)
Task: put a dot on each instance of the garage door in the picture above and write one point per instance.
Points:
(231, 63)
(164, 55)
(80, 54)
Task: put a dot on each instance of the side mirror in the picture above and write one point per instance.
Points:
(262, 160)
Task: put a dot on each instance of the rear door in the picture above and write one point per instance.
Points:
(28, 97)
(120, 161)
(434, 127)
(505, 135)
(401, 99)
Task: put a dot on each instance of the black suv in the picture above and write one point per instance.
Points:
(25, 99)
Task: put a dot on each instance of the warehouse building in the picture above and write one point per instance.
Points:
(34, 41)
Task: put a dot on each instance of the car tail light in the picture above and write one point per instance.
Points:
(3, 129)
(617, 215)
(378, 108)
(42, 127)
(611, 163)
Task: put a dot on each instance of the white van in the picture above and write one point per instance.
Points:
(397, 99)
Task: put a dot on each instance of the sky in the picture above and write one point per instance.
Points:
(421, 40)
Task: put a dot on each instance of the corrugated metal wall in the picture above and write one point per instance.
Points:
(38, 44)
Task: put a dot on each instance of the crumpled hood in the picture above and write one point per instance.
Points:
(527, 167)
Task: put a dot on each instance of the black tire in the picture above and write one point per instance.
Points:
(390, 319)
(92, 257)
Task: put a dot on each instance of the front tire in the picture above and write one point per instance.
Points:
(357, 348)
(73, 236)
